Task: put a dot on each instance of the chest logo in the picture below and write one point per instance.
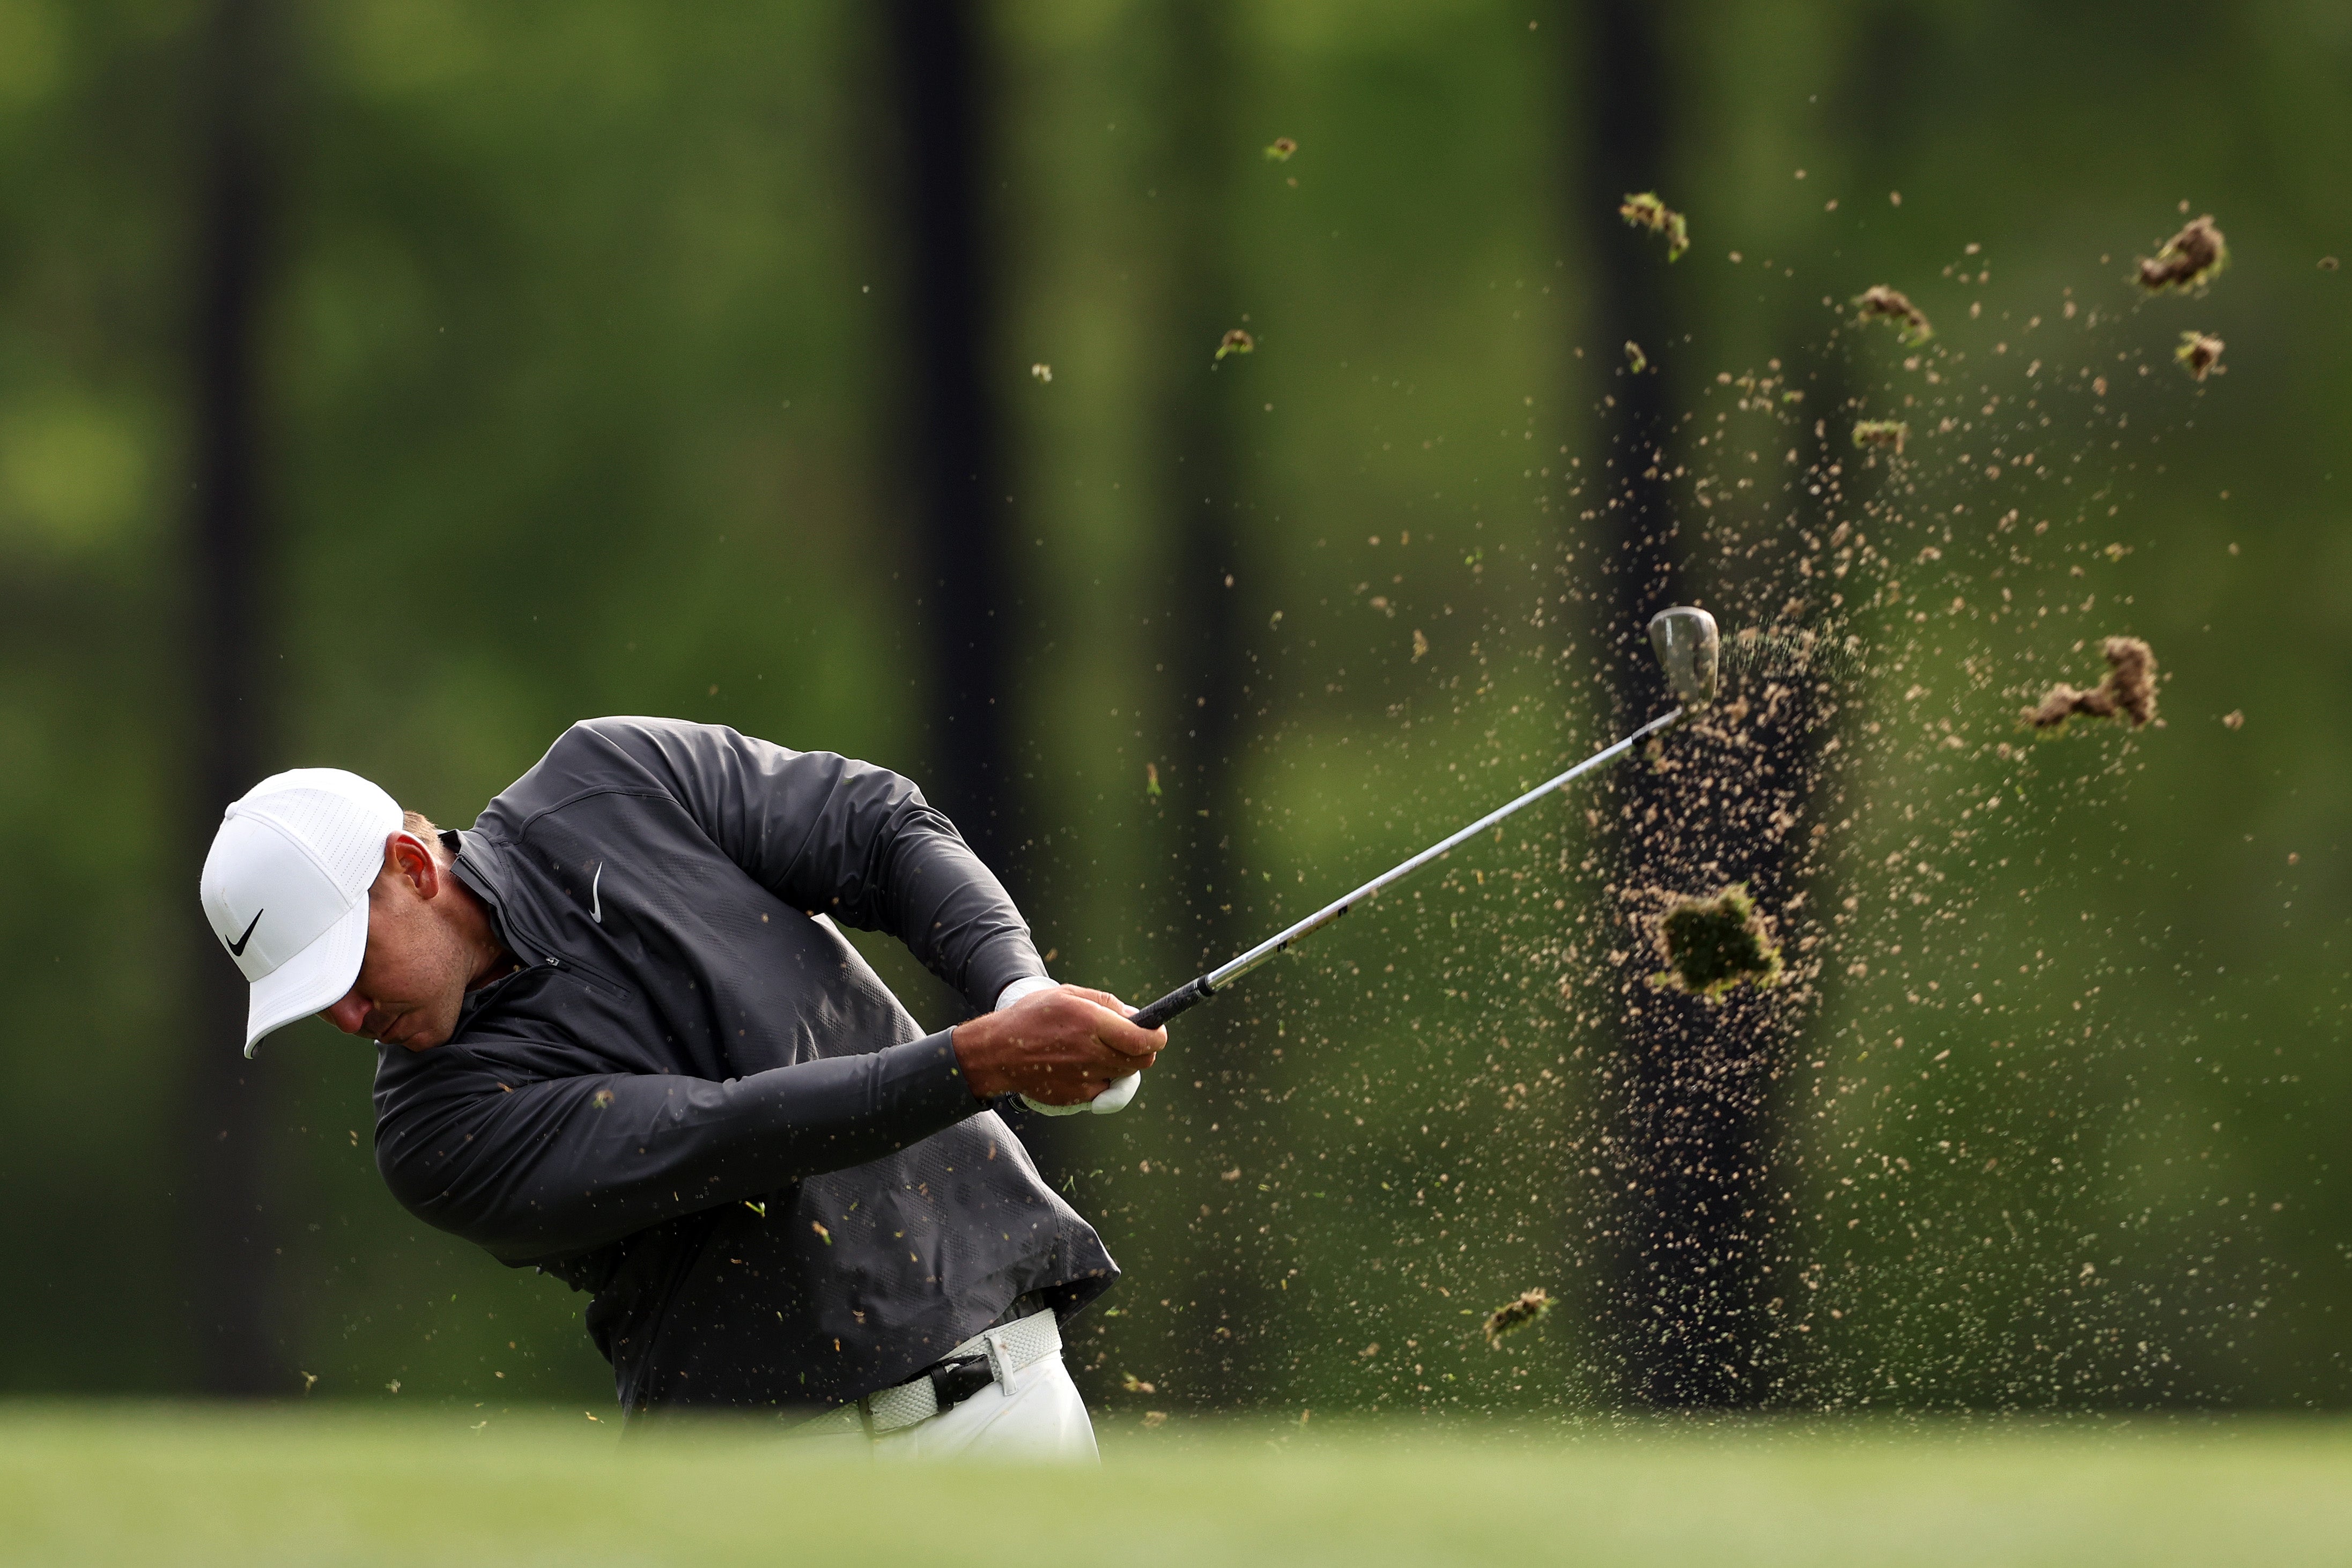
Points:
(595, 896)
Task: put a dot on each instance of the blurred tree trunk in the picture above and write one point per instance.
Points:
(1690, 1142)
(232, 1303)
(971, 605)
(1201, 487)
(1205, 644)
(951, 451)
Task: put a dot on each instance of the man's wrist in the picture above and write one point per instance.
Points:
(967, 1042)
(1028, 985)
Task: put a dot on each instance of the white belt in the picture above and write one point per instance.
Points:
(1008, 1348)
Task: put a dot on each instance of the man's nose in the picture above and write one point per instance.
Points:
(350, 1015)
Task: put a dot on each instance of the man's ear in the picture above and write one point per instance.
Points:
(406, 856)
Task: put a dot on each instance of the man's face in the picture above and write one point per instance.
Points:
(413, 980)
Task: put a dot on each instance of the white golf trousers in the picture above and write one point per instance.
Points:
(1042, 1417)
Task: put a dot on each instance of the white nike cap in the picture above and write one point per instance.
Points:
(286, 888)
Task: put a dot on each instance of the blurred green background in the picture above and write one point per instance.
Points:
(584, 369)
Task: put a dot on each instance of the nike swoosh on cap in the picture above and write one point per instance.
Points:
(237, 948)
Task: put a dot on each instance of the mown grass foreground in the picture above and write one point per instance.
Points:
(319, 1486)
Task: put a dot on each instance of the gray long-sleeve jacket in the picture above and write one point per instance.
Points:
(686, 1039)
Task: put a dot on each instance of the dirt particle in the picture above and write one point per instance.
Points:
(1155, 1418)
(1152, 780)
(1646, 211)
(1515, 1314)
(2127, 692)
(2235, 719)
(1134, 1384)
(1636, 360)
(1236, 341)
(1042, 371)
(1279, 149)
(2189, 259)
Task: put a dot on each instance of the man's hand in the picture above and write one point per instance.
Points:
(1062, 1047)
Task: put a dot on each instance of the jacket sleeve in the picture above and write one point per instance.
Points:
(837, 837)
(550, 1169)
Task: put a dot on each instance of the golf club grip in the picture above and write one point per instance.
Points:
(1184, 998)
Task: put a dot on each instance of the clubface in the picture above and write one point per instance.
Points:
(1688, 650)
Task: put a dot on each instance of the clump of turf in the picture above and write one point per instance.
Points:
(1236, 341)
(1646, 211)
(1880, 303)
(1710, 945)
(2198, 353)
(2189, 259)
(1881, 433)
(1280, 150)
(2127, 692)
(1516, 1314)
(1636, 360)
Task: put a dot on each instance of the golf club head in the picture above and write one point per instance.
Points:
(1689, 651)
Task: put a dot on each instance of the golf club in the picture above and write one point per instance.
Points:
(1688, 650)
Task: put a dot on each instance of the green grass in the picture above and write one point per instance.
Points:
(144, 1484)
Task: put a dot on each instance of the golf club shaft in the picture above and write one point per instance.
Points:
(1192, 992)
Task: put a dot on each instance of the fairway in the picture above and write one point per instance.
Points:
(195, 1485)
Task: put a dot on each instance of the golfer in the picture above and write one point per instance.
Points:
(619, 1039)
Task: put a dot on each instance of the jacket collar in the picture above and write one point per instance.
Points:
(480, 863)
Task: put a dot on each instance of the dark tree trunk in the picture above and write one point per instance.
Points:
(952, 450)
(1204, 640)
(232, 1305)
(1197, 627)
(1689, 1138)
(969, 610)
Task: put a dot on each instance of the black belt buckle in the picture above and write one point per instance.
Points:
(953, 1381)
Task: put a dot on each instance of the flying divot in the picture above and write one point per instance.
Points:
(1689, 652)
(1711, 945)
(1646, 211)
(2189, 261)
(1880, 303)
(1515, 1314)
(2200, 353)
(1881, 433)
(2127, 692)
